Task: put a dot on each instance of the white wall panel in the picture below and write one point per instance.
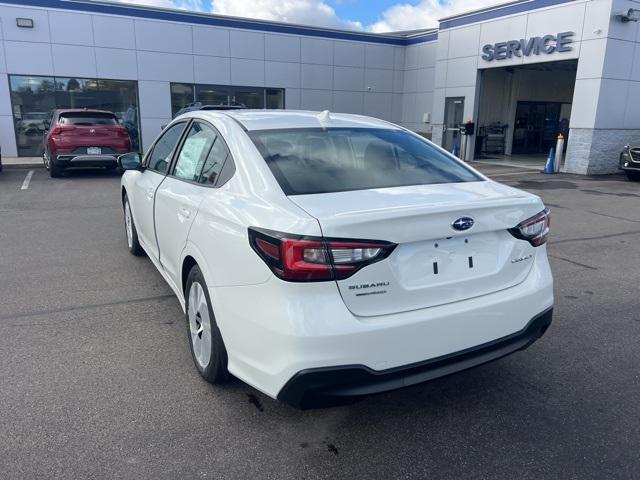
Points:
(292, 99)
(568, 18)
(211, 41)
(398, 81)
(411, 57)
(462, 72)
(399, 58)
(348, 54)
(632, 113)
(7, 136)
(618, 60)
(171, 67)
(247, 44)
(3, 60)
(155, 99)
(410, 81)
(425, 80)
(151, 128)
(116, 63)
(441, 74)
(612, 104)
(408, 107)
(212, 70)
(378, 80)
(247, 72)
(348, 78)
(282, 48)
(316, 50)
(5, 97)
(427, 53)
(442, 51)
(39, 32)
(463, 42)
(163, 37)
(635, 70)
(317, 99)
(379, 56)
(71, 28)
(317, 77)
(282, 74)
(585, 103)
(74, 60)
(378, 105)
(113, 32)
(28, 58)
(348, 102)
(396, 108)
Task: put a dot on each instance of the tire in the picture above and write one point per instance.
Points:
(130, 229)
(205, 341)
(633, 176)
(54, 170)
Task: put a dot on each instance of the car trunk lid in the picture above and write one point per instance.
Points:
(433, 264)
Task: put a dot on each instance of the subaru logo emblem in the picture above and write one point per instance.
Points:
(463, 223)
(92, 131)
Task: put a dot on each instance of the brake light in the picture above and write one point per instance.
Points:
(58, 129)
(298, 258)
(535, 230)
(122, 132)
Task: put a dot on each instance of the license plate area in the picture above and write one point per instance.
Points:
(94, 151)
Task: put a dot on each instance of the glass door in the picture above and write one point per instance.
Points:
(453, 114)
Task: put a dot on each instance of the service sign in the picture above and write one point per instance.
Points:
(546, 44)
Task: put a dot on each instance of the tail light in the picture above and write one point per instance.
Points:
(58, 129)
(298, 258)
(535, 230)
(122, 132)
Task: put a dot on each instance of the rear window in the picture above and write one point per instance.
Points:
(88, 118)
(306, 161)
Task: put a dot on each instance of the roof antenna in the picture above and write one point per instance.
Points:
(324, 116)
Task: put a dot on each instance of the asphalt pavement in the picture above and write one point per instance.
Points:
(97, 381)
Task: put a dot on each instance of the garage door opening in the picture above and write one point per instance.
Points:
(521, 111)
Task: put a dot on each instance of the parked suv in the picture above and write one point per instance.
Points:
(83, 138)
(630, 162)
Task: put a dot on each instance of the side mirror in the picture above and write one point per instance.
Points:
(47, 124)
(130, 161)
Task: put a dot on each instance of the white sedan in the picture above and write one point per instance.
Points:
(320, 256)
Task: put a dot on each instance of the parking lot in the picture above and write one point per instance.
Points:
(98, 381)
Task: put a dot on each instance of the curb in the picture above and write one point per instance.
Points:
(21, 166)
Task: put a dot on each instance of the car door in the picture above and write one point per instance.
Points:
(157, 164)
(179, 196)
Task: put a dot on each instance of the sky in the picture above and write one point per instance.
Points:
(364, 15)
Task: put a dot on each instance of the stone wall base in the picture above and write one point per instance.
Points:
(436, 134)
(596, 152)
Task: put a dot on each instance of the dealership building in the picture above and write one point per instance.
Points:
(522, 73)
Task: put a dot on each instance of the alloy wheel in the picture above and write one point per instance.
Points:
(199, 325)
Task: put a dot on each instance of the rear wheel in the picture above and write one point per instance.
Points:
(54, 170)
(634, 176)
(130, 230)
(207, 347)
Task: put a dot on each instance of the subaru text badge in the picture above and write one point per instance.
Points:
(462, 223)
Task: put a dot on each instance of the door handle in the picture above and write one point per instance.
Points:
(150, 193)
(184, 212)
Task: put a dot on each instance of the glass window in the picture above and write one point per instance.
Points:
(249, 97)
(275, 98)
(194, 151)
(212, 95)
(306, 161)
(181, 95)
(160, 157)
(215, 161)
(33, 98)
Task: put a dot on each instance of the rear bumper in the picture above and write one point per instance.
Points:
(318, 387)
(77, 161)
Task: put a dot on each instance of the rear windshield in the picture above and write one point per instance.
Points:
(306, 161)
(88, 118)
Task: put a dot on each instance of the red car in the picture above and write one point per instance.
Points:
(83, 138)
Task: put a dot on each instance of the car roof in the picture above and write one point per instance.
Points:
(288, 119)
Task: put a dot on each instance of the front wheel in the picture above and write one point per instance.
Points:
(207, 347)
(633, 176)
(130, 230)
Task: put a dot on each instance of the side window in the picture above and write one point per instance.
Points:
(216, 159)
(194, 151)
(160, 157)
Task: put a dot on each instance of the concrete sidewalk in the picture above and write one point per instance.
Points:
(22, 162)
